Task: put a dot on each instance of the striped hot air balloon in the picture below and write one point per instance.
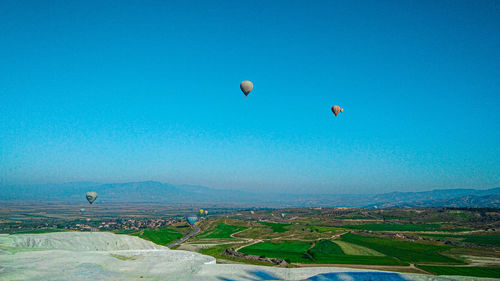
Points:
(192, 218)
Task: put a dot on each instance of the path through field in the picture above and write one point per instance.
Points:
(180, 241)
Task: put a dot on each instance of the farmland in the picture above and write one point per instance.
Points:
(421, 241)
(216, 251)
(276, 227)
(493, 240)
(395, 227)
(290, 251)
(357, 250)
(440, 241)
(323, 229)
(161, 236)
(479, 239)
(323, 252)
(222, 231)
(403, 250)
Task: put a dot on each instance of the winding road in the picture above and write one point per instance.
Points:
(196, 231)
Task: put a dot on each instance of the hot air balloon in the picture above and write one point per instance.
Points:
(283, 215)
(91, 196)
(192, 218)
(87, 219)
(252, 212)
(82, 210)
(336, 109)
(246, 87)
(201, 211)
(206, 212)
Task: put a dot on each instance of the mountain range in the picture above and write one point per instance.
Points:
(157, 192)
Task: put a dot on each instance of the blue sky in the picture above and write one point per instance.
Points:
(115, 91)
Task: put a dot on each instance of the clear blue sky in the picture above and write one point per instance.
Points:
(115, 91)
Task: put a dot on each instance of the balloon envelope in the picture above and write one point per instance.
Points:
(201, 211)
(336, 109)
(246, 87)
(206, 212)
(192, 218)
(91, 196)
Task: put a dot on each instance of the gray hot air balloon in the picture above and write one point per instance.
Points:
(246, 87)
(91, 196)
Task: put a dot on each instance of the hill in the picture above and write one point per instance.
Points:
(152, 191)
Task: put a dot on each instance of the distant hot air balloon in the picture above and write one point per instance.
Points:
(246, 87)
(87, 219)
(201, 211)
(283, 215)
(192, 218)
(252, 212)
(336, 109)
(91, 196)
(206, 212)
(82, 210)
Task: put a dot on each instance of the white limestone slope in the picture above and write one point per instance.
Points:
(107, 256)
(94, 256)
(82, 241)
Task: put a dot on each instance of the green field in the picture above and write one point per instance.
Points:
(483, 239)
(161, 236)
(277, 227)
(222, 231)
(491, 272)
(356, 250)
(289, 251)
(322, 229)
(325, 251)
(395, 227)
(404, 251)
(325, 247)
(351, 259)
(216, 252)
(461, 215)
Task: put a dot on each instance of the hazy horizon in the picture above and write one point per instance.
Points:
(132, 91)
(298, 191)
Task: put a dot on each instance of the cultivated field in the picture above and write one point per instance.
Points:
(434, 241)
(440, 241)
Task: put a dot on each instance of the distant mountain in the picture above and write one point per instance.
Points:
(436, 198)
(464, 201)
(152, 191)
(147, 191)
